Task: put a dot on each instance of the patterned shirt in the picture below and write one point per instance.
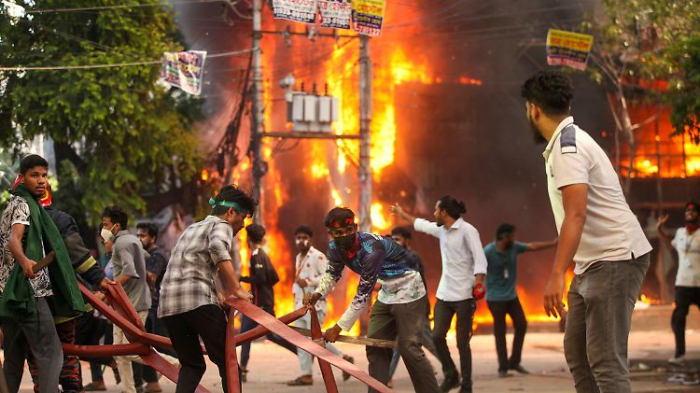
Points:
(377, 259)
(17, 212)
(189, 278)
(310, 268)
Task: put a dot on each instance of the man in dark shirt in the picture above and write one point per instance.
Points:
(156, 263)
(378, 259)
(402, 237)
(262, 278)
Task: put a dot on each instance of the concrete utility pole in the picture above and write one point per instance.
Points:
(365, 174)
(257, 119)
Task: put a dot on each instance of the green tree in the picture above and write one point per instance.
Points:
(118, 133)
(640, 47)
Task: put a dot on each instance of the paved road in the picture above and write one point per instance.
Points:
(271, 366)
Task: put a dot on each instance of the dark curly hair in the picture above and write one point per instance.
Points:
(232, 193)
(551, 90)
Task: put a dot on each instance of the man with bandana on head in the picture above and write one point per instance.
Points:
(189, 305)
(378, 259)
(687, 245)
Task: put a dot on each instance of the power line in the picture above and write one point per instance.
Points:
(112, 7)
(127, 64)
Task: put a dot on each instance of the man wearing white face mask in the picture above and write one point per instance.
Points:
(129, 264)
(309, 268)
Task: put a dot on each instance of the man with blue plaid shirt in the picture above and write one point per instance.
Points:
(189, 305)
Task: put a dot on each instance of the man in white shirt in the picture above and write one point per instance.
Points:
(309, 268)
(597, 231)
(463, 269)
(687, 244)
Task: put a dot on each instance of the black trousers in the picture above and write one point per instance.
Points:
(444, 312)
(209, 323)
(156, 326)
(249, 324)
(499, 309)
(685, 297)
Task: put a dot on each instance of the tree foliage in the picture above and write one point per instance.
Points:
(121, 133)
(640, 54)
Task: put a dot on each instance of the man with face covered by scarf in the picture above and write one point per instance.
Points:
(686, 242)
(378, 259)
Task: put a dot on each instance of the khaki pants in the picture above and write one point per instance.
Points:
(124, 362)
(601, 301)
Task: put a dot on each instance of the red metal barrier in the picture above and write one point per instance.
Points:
(141, 343)
(277, 327)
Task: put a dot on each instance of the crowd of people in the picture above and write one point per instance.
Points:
(179, 295)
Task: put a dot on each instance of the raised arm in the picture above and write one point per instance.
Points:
(537, 246)
(419, 224)
(663, 237)
(397, 211)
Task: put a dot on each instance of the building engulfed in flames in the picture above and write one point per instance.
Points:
(446, 119)
(665, 174)
(321, 172)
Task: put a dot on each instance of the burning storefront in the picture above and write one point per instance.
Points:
(446, 119)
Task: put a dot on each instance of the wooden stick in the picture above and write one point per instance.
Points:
(45, 261)
(369, 342)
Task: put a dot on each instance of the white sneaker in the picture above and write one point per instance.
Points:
(679, 361)
(676, 378)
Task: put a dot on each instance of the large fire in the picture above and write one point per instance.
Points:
(337, 167)
(661, 155)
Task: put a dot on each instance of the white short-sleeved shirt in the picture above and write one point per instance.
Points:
(611, 232)
(688, 247)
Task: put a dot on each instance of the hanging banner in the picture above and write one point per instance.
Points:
(335, 13)
(184, 70)
(295, 10)
(367, 16)
(568, 48)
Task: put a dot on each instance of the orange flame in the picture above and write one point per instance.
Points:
(341, 75)
(662, 154)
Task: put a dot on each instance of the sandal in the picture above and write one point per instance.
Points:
(301, 381)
